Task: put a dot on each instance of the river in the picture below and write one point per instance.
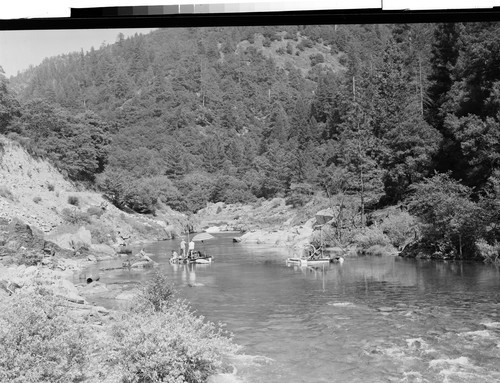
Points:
(371, 319)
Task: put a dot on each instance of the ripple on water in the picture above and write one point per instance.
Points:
(372, 320)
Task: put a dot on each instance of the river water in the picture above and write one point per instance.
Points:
(371, 319)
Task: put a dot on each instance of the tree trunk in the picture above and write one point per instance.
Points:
(354, 88)
(421, 91)
(460, 244)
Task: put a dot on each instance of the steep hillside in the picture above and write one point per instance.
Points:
(32, 190)
(36, 192)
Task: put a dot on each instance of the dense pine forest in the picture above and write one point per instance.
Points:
(404, 115)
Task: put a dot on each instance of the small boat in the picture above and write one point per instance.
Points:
(197, 258)
(178, 260)
(202, 260)
(313, 257)
(308, 261)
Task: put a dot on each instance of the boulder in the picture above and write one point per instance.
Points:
(325, 215)
(99, 310)
(103, 249)
(213, 229)
(94, 288)
(17, 235)
(143, 263)
(73, 241)
(127, 295)
(123, 249)
(51, 248)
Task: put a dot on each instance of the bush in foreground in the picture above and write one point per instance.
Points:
(159, 340)
(171, 345)
(39, 342)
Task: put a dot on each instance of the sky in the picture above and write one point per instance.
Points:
(20, 49)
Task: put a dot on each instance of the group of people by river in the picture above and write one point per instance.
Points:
(184, 254)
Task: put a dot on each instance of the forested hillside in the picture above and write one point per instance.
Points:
(385, 113)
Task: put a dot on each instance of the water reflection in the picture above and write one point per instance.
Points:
(375, 319)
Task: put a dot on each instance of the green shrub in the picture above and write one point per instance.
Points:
(73, 200)
(316, 59)
(231, 190)
(451, 221)
(198, 188)
(371, 236)
(489, 253)
(157, 293)
(162, 340)
(37, 199)
(51, 186)
(75, 217)
(168, 346)
(305, 43)
(30, 258)
(101, 233)
(39, 342)
(95, 211)
(401, 228)
(379, 250)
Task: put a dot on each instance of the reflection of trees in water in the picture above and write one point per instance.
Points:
(426, 274)
(456, 276)
(374, 269)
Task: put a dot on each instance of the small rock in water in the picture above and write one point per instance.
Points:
(416, 343)
(341, 304)
(491, 324)
(385, 309)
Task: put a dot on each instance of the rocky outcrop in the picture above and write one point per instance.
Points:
(295, 236)
(17, 234)
(38, 278)
(103, 250)
(240, 217)
(326, 215)
(17, 239)
(82, 238)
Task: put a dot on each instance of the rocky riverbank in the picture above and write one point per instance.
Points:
(270, 222)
